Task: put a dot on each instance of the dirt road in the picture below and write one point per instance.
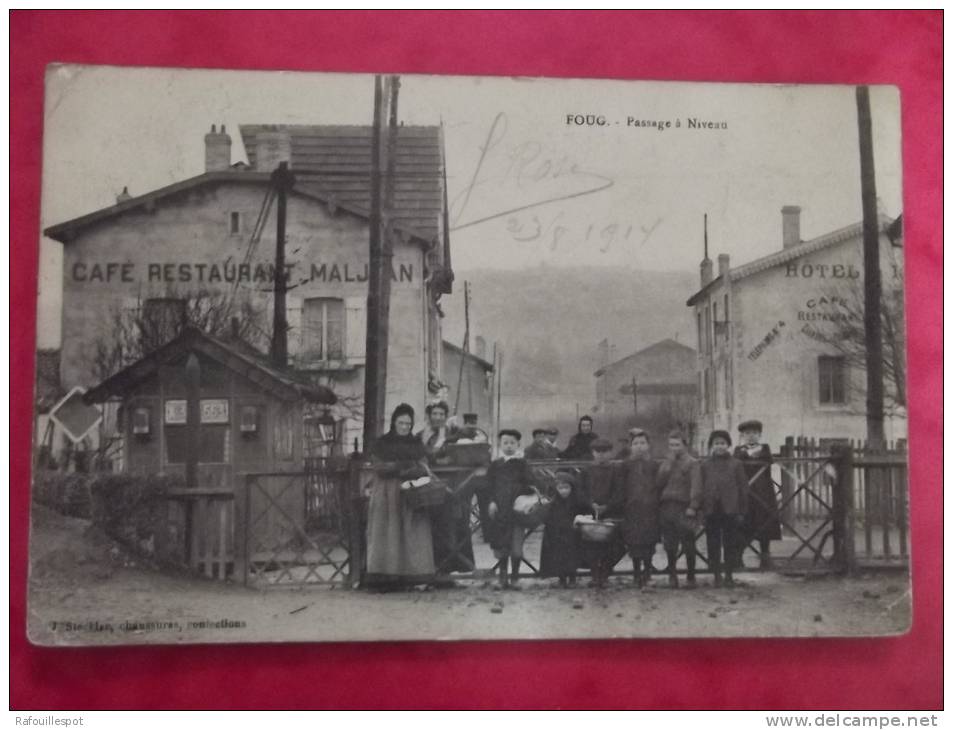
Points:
(84, 590)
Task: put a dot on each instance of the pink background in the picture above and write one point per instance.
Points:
(902, 48)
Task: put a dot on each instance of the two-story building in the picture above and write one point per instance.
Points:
(780, 338)
(205, 246)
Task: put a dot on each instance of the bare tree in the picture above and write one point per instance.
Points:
(841, 328)
(135, 332)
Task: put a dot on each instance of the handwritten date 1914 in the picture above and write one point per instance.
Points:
(527, 227)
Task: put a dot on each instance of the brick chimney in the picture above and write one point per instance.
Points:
(272, 146)
(480, 347)
(723, 267)
(791, 225)
(218, 150)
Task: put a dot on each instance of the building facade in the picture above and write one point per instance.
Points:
(654, 388)
(205, 248)
(470, 375)
(780, 339)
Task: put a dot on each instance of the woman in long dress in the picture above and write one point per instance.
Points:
(399, 542)
(450, 521)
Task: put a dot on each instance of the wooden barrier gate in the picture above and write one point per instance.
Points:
(309, 527)
(298, 528)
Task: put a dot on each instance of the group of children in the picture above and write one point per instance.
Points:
(650, 501)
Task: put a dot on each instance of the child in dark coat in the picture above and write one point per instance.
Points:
(638, 493)
(676, 475)
(508, 477)
(598, 483)
(720, 495)
(560, 552)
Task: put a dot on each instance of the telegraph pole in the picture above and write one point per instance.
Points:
(381, 252)
(387, 240)
(373, 414)
(873, 298)
(283, 180)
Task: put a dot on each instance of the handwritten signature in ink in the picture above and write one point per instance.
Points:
(527, 168)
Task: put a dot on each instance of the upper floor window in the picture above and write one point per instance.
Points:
(234, 223)
(322, 336)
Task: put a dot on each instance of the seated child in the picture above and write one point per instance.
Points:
(560, 552)
(507, 477)
(598, 483)
(720, 496)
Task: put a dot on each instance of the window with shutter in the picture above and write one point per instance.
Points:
(293, 307)
(355, 329)
(322, 330)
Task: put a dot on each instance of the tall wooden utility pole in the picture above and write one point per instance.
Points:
(873, 296)
(380, 257)
(373, 414)
(282, 180)
(387, 237)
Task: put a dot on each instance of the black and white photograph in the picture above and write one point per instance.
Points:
(351, 357)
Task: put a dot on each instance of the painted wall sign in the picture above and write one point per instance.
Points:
(356, 273)
(106, 272)
(772, 336)
(807, 270)
(826, 309)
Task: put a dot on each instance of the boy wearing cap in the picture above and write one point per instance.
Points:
(676, 475)
(720, 496)
(639, 497)
(541, 449)
(508, 477)
(598, 487)
(763, 521)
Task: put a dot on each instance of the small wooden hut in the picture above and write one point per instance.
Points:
(210, 411)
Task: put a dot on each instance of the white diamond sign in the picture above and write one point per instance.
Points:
(74, 416)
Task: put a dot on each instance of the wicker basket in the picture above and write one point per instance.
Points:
(534, 514)
(425, 496)
(597, 530)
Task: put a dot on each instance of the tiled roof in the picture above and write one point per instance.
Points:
(336, 162)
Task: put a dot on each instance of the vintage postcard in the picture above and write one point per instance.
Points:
(328, 357)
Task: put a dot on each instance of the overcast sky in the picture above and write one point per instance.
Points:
(525, 187)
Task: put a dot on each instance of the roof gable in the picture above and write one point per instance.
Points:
(66, 231)
(667, 344)
(240, 361)
(468, 355)
(841, 235)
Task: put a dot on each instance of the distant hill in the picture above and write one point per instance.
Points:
(549, 321)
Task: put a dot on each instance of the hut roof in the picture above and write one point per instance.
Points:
(242, 360)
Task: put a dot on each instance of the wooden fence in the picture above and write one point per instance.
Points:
(879, 499)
